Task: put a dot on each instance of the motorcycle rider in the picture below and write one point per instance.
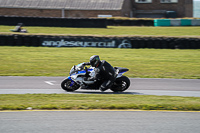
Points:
(103, 70)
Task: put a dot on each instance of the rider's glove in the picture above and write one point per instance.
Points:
(82, 66)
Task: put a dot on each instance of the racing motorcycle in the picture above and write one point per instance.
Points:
(78, 72)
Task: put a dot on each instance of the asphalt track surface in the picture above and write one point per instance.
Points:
(99, 122)
(139, 86)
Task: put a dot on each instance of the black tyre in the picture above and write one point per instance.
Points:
(66, 85)
(121, 84)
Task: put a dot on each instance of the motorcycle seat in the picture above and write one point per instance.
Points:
(121, 69)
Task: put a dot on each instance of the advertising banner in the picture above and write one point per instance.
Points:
(101, 43)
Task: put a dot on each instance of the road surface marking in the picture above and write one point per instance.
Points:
(50, 82)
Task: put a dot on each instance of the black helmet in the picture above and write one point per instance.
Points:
(94, 60)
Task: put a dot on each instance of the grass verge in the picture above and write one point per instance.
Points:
(97, 101)
(143, 63)
(191, 31)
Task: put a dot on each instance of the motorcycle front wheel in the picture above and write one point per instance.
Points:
(66, 85)
(121, 84)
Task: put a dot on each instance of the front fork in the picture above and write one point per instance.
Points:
(72, 82)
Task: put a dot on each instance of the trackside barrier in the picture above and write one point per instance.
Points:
(102, 42)
(186, 22)
(93, 22)
(161, 22)
(55, 22)
(118, 22)
(72, 22)
(195, 22)
(177, 22)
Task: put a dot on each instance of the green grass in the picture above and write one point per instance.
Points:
(97, 101)
(143, 63)
(111, 30)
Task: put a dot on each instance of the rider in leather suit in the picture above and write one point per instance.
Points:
(103, 70)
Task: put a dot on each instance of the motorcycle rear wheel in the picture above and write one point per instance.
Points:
(66, 85)
(121, 84)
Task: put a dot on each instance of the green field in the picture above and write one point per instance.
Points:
(193, 31)
(97, 101)
(143, 63)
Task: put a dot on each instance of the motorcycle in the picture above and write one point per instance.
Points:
(78, 72)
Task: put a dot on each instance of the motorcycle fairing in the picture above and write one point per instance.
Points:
(81, 72)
